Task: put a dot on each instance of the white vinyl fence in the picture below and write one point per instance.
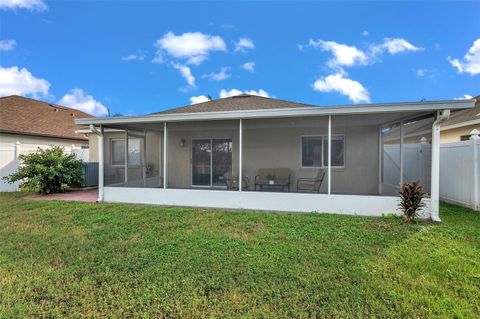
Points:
(9, 160)
(460, 172)
(459, 169)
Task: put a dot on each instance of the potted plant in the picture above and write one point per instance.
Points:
(271, 179)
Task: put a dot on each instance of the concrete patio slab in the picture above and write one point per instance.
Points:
(76, 196)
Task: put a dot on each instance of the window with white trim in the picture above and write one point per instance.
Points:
(118, 151)
(315, 150)
(134, 147)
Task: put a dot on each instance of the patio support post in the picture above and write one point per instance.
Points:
(144, 159)
(380, 159)
(329, 156)
(401, 153)
(435, 178)
(101, 160)
(126, 157)
(240, 148)
(165, 155)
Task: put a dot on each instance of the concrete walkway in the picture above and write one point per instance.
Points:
(76, 196)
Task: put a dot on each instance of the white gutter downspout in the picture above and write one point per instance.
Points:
(101, 151)
(442, 116)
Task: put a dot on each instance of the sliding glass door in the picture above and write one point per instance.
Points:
(211, 159)
(201, 162)
(221, 160)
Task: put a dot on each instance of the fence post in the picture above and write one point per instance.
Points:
(474, 138)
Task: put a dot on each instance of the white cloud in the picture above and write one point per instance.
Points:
(394, 46)
(21, 82)
(421, 72)
(80, 100)
(134, 57)
(343, 55)
(186, 73)
(249, 66)
(464, 97)
(7, 45)
(221, 75)
(37, 5)
(424, 73)
(364, 33)
(471, 60)
(194, 47)
(354, 90)
(244, 44)
(233, 92)
(199, 99)
(346, 55)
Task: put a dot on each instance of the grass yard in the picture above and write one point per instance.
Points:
(66, 259)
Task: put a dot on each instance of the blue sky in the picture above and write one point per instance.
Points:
(142, 57)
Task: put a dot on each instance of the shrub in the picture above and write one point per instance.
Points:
(47, 171)
(411, 195)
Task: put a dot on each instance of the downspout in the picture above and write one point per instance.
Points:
(442, 116)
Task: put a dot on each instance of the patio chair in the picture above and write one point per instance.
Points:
(311, 184)
(232, 181)
(273, 178)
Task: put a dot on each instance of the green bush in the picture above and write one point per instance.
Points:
(411, 195)
(47, 171)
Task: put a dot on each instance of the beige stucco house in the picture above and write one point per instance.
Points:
(26, 124)
(461, 124)
(251, 152)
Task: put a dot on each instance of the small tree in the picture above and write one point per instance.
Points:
(47, 171)
(411, 195)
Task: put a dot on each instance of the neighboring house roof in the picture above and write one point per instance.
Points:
(240, 102)
(21, 115)
(413, 131)
(464, 117)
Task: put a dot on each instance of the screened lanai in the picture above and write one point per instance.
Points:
(337, 159)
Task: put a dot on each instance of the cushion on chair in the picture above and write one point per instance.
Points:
(282, 174)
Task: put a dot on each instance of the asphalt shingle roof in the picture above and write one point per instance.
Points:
(27, 116)
(236, 103)
(465, 115)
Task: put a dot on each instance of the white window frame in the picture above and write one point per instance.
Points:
(140, 156)
(111, 152)
(322, 137)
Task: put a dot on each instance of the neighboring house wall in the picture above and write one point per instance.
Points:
(93, 145)
(28, 144)
(41, 141)
(454, 135)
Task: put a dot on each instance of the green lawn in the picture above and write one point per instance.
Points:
(65, 259)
